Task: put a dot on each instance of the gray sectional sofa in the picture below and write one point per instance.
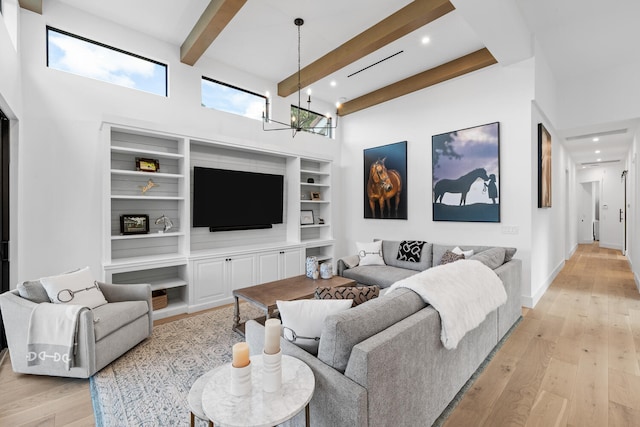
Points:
(382, 362)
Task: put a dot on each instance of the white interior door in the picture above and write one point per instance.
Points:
(585, 213)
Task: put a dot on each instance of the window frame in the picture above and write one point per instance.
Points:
(250, 92)
(329, 126)
(87, 40)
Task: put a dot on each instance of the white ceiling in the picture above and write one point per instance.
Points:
(576, 36)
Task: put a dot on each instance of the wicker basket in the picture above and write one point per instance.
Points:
(159, 299)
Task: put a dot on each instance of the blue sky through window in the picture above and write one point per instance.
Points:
(232, 100)
(90, 59)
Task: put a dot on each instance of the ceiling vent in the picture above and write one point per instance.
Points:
(375, 63)
(598, 134)
(599, 163)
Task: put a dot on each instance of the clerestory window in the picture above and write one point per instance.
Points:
(81, 56)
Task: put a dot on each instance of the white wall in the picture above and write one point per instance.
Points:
(61, 172)
(495, 93)
(633, 231)
(548, 245)
(588, 99)
(10, 99)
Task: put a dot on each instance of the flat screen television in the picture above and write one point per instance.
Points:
(225, 200)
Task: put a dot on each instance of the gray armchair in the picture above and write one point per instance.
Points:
(104, 333)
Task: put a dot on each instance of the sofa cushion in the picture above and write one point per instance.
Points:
(492, 258)
(449, 257)
(114, 315)
(439, 250)
(302, 320)
(343, 330)
(358, 294)
(33, 291)
(459, 251)
(410, 250)
(390, 252)
(77, 288)
(381, 275)
(370, 253)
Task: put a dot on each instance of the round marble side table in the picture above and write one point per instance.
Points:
(195, 397)
(259, 408)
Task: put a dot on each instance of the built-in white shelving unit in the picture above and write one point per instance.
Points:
(196, 268)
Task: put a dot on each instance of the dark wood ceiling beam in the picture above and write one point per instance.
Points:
(458, 67)
(32, 5)
(211, 23)
(411, 17)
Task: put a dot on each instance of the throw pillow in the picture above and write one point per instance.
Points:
(33, 291)
(302, 320)
(450, 256)
(77, 288)
(410, 250)
(370, 253)
(358, 294)
(459, 251)
(492, 258)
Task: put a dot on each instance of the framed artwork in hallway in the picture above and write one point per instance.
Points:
(544, 167)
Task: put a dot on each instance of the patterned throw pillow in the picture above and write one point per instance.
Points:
(358, 294)
(450, 257)
(410, 250)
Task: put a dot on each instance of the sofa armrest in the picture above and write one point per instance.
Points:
(130, 292)
(510, 273)
(347, 262)
(16, 315)
(337, 400)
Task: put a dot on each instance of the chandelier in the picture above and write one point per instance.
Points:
(303, 119)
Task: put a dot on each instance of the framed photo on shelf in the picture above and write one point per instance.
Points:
(134, 224)
(315, 195)
(306, 217)
(147, 165)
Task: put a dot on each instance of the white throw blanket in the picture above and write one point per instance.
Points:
(51, 336)
(463, 292)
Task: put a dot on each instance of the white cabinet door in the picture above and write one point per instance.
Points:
(269, 267)
(291, 263)
(242, 271)
(209, 280)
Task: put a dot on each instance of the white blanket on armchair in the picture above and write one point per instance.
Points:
(463, 293)
(51, 336)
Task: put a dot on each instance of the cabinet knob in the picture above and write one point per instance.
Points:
(281, 252)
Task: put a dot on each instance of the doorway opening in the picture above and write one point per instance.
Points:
(4, 214)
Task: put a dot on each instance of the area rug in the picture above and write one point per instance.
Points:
(149, 385)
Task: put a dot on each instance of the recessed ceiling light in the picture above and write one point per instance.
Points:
(598, 160)
(426, 40)
(333, 83)
(597, 151)
(596, 139)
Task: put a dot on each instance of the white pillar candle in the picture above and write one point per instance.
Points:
(272, 328)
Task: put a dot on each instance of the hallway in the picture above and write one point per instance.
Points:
(574, 358)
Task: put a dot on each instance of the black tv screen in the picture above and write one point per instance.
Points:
(236, 200)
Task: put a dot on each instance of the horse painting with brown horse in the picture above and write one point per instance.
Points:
(460, 185)
(383, 185)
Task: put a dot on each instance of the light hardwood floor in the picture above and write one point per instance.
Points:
(574, 361)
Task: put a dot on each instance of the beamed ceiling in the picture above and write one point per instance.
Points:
(366, 52)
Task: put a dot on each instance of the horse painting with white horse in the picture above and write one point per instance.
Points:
(460, 186)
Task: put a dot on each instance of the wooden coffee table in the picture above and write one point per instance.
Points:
(264, 296)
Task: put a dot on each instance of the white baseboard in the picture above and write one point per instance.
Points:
(573, 251)
(610, 245)
(531, 301)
